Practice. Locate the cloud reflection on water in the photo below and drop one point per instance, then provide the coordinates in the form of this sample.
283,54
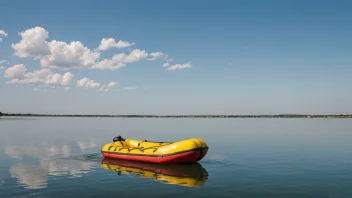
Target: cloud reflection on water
36,175
33,177
38,151
83,145
65,167
2,180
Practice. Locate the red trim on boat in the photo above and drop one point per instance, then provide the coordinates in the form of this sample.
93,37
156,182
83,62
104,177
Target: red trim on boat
178,158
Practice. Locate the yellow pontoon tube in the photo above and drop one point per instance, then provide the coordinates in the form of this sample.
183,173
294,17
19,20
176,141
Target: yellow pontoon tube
185,151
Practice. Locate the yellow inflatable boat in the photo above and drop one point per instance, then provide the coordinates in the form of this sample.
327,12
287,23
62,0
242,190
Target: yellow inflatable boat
190,175
185,151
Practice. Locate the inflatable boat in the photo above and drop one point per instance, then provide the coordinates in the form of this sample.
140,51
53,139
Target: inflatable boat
181,152
189,175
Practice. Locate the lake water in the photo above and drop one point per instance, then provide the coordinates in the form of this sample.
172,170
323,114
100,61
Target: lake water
60,157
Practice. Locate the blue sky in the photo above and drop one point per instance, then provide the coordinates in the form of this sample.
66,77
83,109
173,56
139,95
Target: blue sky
222,57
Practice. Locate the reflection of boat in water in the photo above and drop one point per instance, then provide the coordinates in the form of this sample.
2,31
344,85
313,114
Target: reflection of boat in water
189,175
181,152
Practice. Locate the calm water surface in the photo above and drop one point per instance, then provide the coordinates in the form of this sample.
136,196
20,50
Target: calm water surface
60,157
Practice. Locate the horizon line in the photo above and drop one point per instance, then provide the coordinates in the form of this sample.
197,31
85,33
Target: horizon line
177,115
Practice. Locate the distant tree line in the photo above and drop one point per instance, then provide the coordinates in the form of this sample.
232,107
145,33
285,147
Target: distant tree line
185,116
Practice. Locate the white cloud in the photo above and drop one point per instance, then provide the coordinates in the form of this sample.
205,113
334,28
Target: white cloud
85,82
105,87
107,43
45,77
18,74
136,55
68,56
102,88
111,84
33,43
74,55
54,54
155,55
130,88
2,32
117,62
3,61
120,60
180,66
168,60
16,71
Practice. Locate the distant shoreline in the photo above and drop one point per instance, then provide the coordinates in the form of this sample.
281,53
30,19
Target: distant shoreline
182,116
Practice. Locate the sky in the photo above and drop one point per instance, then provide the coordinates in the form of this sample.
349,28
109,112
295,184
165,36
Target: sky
176,57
